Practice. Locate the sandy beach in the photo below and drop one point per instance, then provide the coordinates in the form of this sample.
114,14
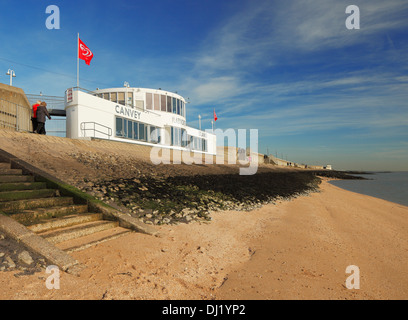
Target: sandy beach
297,249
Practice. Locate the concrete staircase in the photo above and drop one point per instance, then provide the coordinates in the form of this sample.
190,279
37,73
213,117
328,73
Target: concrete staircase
57,219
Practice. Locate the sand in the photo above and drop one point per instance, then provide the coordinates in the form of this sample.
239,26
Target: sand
298,249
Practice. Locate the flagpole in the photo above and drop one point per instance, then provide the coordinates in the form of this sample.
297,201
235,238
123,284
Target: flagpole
78,61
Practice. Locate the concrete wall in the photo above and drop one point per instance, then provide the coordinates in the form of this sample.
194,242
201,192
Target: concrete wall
15,109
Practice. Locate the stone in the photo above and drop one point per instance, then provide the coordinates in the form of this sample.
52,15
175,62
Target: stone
25,258
10,262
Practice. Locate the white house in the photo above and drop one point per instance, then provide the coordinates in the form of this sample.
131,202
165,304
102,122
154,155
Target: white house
134,115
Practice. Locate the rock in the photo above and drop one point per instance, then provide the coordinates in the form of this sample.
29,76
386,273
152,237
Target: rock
10,262
1,254
25,258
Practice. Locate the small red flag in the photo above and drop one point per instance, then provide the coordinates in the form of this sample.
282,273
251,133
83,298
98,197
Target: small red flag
84,52
215,116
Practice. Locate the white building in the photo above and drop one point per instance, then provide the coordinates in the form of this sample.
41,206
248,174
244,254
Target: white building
134,115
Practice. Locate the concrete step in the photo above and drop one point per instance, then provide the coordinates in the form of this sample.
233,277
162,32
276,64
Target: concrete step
16,178
94,239
5,165
22,186
4,171
36,215
69,233
26,194
65,221
28,204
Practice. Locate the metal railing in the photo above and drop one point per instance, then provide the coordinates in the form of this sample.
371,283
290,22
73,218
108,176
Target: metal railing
107,133
53,102
15,116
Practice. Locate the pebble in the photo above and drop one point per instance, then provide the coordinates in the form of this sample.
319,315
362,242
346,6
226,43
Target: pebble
25,258
10,262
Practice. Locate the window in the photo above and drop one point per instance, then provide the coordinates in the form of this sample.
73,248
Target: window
175,136
168,104
121,98
184,138
178,106
130,99
163,103
149,101
106,96
142,131
129,129
119,127
135,130
174,105
125,128
157,102
114,97
154,134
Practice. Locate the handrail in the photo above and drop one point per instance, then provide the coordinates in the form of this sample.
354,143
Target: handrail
109,134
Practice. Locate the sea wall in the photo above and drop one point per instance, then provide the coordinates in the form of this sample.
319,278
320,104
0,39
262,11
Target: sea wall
15,109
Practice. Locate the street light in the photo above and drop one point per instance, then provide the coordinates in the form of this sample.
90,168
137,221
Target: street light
199,121
12,75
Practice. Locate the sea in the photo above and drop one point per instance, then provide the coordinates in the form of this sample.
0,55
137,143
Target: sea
391,186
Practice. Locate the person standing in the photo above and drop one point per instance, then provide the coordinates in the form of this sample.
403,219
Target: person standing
34,117
42,112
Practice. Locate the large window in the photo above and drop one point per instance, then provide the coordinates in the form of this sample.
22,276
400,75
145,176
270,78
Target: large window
137,130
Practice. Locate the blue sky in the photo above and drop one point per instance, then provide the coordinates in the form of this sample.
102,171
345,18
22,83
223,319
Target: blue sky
317,92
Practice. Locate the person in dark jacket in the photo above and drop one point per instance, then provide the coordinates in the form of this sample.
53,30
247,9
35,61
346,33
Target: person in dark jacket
34,117
42,112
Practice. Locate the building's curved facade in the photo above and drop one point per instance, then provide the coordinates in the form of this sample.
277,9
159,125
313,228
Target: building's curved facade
134,115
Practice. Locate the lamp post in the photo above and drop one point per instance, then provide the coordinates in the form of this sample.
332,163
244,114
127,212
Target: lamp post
126,85
12,75
199,121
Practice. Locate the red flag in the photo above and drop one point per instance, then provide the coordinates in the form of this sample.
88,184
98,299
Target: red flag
215,116
84,52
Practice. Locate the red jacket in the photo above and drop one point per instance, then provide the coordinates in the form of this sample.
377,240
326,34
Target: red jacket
35,110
